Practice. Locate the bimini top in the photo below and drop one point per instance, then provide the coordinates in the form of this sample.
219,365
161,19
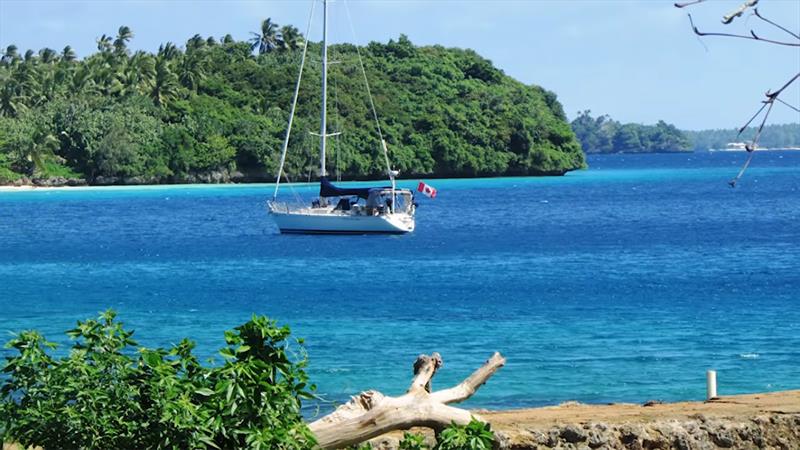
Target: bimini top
327,189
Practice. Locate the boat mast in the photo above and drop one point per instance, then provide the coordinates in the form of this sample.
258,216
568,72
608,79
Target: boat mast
323,126
294,106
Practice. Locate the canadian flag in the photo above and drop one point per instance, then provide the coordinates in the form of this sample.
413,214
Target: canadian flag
427,189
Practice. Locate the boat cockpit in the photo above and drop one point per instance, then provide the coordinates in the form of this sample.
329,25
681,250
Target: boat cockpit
378,202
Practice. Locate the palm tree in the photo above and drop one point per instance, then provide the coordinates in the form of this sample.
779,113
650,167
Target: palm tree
11,102
124,35
228,39
211,41
196,42
165,83
48,83
47,55
26,78
145,65
291,38
138,74
105,73
267,40
68,54
82,80
168,51
30,55
10,57
191,70
104,44
31,158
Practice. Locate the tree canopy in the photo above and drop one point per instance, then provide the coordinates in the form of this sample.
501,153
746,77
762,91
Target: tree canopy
773,137
212,110
603,134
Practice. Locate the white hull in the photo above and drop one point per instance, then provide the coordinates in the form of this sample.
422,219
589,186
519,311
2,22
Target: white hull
327,221
386,210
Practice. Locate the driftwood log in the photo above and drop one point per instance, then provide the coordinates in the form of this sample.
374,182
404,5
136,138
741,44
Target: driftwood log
371,414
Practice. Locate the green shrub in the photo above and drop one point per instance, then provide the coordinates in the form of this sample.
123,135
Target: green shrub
54,169
105,394
362,446
473,436
413,441
7,175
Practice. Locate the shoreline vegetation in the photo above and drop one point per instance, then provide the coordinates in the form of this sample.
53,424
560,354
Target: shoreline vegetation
67,184
214,111
602,134
762,420
757,420
773,137
105,394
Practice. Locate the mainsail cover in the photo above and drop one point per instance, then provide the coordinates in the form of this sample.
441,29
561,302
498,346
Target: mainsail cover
327,189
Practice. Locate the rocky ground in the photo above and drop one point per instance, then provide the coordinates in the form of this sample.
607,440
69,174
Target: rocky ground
759,421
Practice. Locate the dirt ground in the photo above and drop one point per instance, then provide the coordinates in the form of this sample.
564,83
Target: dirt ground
785,402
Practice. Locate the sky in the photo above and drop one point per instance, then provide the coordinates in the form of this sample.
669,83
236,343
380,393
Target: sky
636,60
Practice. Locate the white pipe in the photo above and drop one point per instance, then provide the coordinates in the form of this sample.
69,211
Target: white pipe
711,385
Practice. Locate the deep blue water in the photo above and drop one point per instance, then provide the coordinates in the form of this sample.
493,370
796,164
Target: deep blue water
624,282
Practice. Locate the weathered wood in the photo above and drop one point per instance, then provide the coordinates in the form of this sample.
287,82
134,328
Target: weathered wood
372,414
467,388
425,368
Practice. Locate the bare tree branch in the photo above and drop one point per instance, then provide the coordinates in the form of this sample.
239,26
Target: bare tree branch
371,413
739,11
796,36
772,97
790,106
753,145
684,5
752,37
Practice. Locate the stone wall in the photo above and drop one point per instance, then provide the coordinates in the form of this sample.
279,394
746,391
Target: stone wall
697,432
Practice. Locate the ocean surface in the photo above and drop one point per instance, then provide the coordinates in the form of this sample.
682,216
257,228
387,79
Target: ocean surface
623,282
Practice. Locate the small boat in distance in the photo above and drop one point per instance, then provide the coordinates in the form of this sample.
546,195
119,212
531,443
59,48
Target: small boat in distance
361,210
736,147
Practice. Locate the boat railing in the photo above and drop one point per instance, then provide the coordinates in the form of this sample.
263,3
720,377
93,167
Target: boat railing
274,206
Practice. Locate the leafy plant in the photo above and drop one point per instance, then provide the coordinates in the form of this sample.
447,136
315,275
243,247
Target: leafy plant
473,436
362,446
413,441
105,394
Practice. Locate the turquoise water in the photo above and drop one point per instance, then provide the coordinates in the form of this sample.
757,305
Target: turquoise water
625,282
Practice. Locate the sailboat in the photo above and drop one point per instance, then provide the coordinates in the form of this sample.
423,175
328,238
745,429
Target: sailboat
342,210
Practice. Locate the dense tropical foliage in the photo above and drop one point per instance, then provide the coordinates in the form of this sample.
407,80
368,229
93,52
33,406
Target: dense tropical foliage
106,393
773,136
211,110
602,134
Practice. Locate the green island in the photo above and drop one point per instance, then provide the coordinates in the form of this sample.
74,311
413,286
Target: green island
603,134
216,111
782,136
